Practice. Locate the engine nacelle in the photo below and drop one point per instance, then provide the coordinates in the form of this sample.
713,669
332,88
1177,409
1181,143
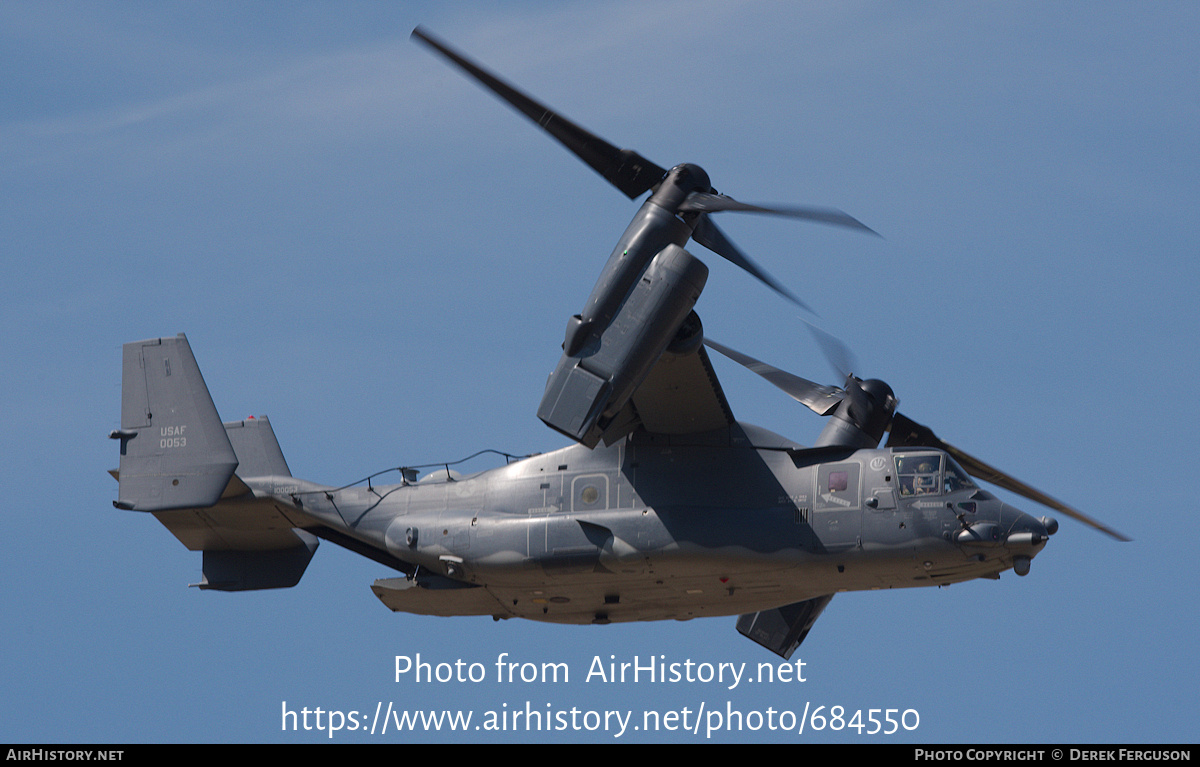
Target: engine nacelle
586,392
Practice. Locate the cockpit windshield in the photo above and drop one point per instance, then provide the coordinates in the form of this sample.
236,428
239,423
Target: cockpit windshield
930,474
956,479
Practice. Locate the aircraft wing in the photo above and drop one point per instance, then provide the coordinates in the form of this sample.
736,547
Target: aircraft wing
682,395
677,394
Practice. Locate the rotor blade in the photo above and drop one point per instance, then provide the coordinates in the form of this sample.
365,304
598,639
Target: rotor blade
907,432
707,234
711,203
820,399
837,354
623,168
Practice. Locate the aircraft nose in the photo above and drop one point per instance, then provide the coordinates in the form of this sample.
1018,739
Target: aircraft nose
1026,536
1026,530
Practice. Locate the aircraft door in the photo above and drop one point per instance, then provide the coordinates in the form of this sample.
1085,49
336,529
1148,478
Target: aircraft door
837,505
556,541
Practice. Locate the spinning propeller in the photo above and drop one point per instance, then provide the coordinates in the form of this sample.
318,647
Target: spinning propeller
693,199
863,410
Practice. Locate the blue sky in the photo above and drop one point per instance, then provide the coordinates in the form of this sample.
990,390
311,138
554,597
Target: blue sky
373,251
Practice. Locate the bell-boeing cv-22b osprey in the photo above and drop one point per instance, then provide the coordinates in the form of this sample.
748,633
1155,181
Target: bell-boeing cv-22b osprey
665,506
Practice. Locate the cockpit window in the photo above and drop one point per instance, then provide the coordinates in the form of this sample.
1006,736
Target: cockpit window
956,479
919,474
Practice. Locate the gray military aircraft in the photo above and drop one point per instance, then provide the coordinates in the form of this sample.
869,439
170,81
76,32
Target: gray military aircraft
666,506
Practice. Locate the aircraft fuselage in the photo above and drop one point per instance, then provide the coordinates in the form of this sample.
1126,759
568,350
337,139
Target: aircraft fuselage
654,527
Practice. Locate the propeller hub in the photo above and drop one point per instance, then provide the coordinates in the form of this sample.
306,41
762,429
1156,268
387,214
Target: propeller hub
680,182
690,177
871,404
862,416
880,393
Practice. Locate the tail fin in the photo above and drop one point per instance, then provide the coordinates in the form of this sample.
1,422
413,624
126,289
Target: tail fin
256,448
178,461
174,450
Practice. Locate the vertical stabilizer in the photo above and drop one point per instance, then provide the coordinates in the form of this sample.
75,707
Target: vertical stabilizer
257,449
174,450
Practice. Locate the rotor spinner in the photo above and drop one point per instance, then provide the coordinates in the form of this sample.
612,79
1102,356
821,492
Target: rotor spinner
862,417
680,182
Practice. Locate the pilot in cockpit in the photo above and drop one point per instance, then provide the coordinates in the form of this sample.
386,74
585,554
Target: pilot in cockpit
926,480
